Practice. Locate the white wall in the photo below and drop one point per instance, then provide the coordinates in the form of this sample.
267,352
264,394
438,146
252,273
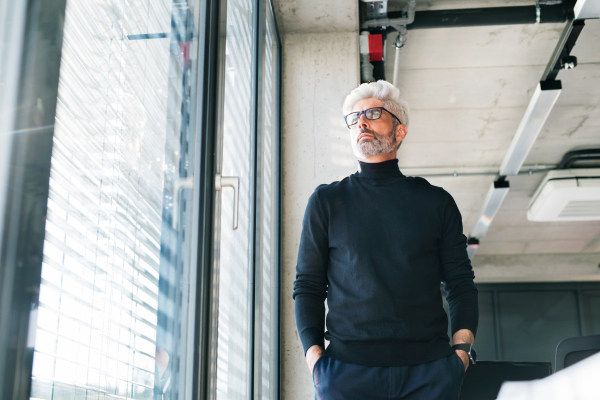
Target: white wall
319,71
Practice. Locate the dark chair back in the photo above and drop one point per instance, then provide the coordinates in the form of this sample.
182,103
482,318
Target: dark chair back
575,349
484,379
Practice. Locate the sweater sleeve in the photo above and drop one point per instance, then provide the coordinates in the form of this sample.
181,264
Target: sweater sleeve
457,273
310,286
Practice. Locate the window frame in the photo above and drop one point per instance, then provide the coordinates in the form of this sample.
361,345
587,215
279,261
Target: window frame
32,33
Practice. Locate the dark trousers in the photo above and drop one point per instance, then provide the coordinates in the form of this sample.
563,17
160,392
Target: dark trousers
439,379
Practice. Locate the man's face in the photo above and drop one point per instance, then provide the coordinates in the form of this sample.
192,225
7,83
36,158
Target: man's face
373,137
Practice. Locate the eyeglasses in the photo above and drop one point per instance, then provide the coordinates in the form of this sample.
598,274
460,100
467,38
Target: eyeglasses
370,113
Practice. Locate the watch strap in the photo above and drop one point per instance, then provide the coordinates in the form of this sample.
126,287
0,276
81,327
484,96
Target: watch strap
463,346
467,347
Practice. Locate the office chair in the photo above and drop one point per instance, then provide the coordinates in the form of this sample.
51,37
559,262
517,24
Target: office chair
575,349
484,379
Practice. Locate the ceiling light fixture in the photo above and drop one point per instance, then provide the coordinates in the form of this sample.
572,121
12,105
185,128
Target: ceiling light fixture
542,101
587,9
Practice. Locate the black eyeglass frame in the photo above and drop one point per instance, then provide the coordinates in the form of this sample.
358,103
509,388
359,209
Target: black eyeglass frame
371,119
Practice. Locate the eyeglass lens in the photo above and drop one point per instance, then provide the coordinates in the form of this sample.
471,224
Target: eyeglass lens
371,113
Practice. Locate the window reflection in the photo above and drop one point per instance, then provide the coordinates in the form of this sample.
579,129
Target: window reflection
113,312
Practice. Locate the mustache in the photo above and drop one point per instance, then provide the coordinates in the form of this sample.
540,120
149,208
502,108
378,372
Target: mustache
369,131
365,130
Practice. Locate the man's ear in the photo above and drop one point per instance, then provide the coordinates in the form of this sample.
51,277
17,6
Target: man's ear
401,131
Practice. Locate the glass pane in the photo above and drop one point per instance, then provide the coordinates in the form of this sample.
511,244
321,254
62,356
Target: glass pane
113,316
592,309
234,251
532,323
485,343
266,342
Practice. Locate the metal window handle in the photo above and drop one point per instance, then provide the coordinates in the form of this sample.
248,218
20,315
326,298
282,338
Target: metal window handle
178,185
232,182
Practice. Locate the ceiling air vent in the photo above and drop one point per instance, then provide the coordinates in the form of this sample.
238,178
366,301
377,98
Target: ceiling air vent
567,195
581,208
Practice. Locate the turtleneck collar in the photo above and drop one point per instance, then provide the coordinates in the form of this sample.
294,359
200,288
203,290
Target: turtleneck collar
381,170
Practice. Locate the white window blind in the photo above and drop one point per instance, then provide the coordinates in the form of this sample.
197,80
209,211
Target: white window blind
97,318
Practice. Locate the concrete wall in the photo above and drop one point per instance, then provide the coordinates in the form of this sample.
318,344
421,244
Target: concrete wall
319,71
495,268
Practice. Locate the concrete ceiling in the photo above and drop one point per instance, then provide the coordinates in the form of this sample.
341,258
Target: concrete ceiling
468,89
320,16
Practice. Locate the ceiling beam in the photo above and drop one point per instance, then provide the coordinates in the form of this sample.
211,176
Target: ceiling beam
563,49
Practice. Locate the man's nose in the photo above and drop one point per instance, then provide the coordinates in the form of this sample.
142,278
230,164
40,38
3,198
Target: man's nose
363,121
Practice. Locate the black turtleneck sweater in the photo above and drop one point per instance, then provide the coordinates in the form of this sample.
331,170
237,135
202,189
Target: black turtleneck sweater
376,245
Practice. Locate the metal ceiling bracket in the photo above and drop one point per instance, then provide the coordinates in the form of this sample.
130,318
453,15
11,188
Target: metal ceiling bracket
563,49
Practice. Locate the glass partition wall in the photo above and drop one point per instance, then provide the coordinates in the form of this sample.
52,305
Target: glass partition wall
154,279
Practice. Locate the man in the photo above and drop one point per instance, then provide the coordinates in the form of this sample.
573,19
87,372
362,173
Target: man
376,245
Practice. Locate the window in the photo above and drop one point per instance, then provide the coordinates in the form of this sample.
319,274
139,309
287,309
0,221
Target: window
246,259
526,321
147,290
117,279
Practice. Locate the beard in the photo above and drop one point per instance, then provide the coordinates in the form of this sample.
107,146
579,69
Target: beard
380,144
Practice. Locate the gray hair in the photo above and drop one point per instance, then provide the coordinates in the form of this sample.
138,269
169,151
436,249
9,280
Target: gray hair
381,90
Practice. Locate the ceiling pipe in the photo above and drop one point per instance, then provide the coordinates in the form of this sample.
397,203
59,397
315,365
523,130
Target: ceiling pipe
366,68
489,16
581,155
441,172
398,24
393,22
398,45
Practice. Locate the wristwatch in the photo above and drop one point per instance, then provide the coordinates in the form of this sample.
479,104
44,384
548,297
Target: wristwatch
468,347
